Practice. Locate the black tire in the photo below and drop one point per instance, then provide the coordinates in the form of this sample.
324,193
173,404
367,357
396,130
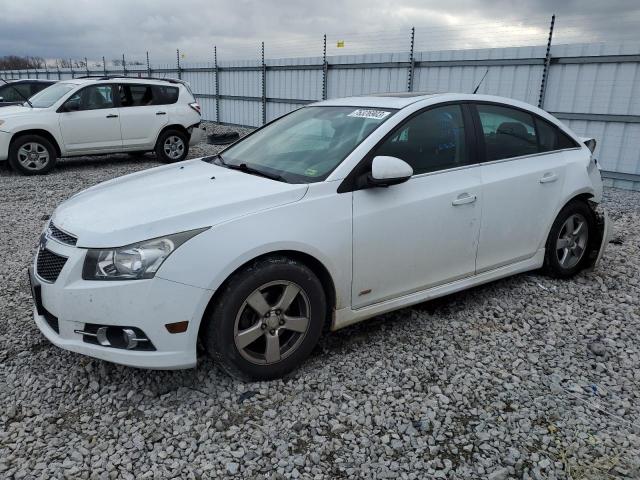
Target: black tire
167,157
40,146
552,260
232,308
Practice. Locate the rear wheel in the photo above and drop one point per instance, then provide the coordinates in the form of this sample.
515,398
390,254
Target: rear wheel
267,320
172,146
32,155
570,240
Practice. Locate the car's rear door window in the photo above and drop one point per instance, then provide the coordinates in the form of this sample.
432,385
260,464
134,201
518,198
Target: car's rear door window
430,141
135,95
508,132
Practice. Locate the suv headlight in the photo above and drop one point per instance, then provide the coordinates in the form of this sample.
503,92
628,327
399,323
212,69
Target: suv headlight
133,262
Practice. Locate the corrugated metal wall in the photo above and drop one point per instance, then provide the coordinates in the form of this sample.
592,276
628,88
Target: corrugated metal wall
594,89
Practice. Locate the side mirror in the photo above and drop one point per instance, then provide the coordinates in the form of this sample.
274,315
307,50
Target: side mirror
387,171
72,106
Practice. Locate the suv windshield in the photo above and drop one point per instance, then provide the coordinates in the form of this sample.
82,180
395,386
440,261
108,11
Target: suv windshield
51,95
306,145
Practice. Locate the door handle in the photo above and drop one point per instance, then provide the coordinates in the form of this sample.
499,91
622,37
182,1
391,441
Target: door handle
549,177
463,199
112,115
161,113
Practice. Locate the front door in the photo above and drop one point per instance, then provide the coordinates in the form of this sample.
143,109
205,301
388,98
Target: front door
424,232
89,121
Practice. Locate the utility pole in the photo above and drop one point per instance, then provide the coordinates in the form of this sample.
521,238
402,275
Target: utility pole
411,61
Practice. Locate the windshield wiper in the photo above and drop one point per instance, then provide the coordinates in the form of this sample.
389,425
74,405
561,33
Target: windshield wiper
243,167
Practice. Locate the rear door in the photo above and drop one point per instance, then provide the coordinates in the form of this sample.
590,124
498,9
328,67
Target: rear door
522,184
424,232
89,120
143,113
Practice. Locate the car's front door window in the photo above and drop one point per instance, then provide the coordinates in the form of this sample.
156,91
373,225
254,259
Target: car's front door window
430,141
95,97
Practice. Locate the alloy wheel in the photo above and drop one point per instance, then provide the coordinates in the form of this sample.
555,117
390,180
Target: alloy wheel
173,147
572,241
33,156
272,322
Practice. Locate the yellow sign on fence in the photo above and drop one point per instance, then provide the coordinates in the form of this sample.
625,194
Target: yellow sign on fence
340,44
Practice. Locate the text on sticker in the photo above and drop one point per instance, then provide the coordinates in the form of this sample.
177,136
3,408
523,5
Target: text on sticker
366,113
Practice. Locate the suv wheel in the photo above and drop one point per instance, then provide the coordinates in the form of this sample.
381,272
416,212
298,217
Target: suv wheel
570,240
267,320
32,155
172,146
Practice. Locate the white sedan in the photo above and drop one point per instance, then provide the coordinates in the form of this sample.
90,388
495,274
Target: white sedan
332,214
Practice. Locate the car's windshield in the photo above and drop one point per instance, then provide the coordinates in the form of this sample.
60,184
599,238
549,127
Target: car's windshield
308,144
51,95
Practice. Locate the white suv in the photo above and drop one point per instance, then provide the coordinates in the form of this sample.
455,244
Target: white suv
98,115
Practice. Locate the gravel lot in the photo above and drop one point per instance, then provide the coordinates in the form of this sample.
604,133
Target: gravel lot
523,378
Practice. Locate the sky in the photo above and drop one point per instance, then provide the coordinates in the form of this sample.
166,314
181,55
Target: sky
81,28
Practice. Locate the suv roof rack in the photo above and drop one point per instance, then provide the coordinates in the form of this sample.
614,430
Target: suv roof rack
112,77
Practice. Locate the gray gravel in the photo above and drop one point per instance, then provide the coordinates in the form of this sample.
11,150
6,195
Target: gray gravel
526,378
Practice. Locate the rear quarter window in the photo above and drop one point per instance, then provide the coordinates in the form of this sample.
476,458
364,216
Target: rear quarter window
165,95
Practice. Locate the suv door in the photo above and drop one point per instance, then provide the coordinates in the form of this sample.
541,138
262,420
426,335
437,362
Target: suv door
143,113
522,183
89,120
424,232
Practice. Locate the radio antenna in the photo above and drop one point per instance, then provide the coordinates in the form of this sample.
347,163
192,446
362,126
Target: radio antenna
480,82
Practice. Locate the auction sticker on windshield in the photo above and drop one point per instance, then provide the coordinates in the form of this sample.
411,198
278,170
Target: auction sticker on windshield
367,113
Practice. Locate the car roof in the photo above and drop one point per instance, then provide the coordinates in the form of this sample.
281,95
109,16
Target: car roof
404,99
116,79
32,80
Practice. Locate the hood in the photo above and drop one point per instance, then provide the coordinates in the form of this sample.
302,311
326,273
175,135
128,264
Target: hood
16,111
165,200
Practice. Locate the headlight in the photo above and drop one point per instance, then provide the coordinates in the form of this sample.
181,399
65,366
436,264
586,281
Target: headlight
1,122
133,262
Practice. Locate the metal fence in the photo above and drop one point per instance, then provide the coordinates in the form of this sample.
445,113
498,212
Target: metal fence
593,88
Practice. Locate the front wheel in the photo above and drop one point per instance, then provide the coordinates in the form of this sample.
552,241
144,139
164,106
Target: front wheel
570,240
267,319
32,155
172,146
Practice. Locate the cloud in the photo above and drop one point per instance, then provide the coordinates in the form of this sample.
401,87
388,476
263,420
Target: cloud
83,28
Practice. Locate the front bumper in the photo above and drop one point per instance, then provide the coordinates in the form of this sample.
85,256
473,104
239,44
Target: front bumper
5,139
70,303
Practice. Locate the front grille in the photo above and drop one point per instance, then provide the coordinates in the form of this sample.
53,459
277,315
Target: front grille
63,237
49,265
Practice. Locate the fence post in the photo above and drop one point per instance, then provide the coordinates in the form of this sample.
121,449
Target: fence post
178,64
104,67
148,66
547,63
264,86
411,62
124,66
86,65
58,69
325,69
215,69
73,74
46,70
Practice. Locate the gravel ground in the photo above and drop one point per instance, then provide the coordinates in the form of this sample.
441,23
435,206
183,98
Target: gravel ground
526,377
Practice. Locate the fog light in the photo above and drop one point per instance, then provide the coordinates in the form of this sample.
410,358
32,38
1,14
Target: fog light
178,327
